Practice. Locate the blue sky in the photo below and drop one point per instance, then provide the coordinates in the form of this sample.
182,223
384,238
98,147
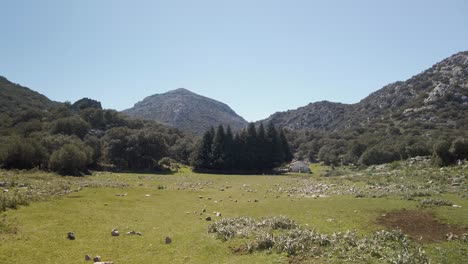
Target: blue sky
259,56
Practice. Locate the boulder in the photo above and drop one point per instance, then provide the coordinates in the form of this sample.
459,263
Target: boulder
115,232
87,258
71,235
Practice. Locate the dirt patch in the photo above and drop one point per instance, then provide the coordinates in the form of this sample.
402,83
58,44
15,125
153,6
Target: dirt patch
422,226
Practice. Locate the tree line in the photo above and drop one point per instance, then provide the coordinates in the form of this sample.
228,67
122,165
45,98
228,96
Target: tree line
252,149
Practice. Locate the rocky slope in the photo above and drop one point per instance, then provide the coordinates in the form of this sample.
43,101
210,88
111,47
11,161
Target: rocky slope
437,95
186,111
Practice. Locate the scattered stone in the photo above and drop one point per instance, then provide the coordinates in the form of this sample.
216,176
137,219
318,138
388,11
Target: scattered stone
131,232
87,258
456,206
209,198
115,232
168,240
203,210
256,201
200,197
105,262
106,204
5,190
2,184
218,214
208,218
139,233
71,236
121,195
451,236
97,259
147,195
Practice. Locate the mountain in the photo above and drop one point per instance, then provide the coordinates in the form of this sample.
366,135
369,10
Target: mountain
438,95
186,111
15,98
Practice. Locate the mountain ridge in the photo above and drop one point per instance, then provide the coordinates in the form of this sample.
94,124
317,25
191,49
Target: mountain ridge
414,99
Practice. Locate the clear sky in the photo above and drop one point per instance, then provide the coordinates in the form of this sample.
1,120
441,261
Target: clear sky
258,56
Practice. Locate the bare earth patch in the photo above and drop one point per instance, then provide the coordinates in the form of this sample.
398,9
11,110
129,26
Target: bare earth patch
422,226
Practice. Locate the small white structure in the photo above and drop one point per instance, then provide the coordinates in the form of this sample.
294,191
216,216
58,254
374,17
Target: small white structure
299,166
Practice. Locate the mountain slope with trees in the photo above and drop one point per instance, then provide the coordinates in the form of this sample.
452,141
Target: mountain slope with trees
186,111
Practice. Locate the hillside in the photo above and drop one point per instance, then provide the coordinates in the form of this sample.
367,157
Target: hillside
15,98
438,95
186,111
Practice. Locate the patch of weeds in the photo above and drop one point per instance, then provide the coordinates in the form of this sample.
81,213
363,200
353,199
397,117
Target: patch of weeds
7,226
428,202
298,242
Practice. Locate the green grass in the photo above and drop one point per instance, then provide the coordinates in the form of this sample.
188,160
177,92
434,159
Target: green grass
41,228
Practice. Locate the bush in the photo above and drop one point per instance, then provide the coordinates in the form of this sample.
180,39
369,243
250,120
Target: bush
376,155
23,154
71,126
441,154
69,160
459,149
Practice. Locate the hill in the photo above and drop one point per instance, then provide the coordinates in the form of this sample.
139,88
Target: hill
438,95
15,98
186,111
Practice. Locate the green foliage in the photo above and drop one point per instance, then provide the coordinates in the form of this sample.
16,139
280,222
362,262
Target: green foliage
251,149
135,149
441,153
23,154
377,155
459,149
69,160
71,126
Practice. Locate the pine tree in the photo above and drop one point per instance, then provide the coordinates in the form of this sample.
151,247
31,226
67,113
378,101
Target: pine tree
203,157
288,156
228,149
219,149
275,147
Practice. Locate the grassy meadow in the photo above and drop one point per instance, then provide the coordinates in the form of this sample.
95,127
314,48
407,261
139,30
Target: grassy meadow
171,205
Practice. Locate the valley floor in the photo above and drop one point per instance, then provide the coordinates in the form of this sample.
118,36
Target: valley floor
161,206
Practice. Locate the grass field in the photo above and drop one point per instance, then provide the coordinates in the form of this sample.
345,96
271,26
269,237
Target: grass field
171,205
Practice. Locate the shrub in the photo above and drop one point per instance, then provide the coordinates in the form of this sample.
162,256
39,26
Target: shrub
441,155
23,154
69,160
71,126
376,155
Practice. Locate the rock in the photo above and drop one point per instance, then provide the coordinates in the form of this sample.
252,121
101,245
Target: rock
2,184
147,195
203,210
87,258
139,233
168,240
208,218
105,262
200,197
218,214
131,232
97,259
71,236
256,201
456,206
115,232
5,190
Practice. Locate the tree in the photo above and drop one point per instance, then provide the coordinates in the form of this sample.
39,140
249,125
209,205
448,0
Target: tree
288,156
441,154
459,149
276,152
218,149
69,160
203,155
71,126
23,154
